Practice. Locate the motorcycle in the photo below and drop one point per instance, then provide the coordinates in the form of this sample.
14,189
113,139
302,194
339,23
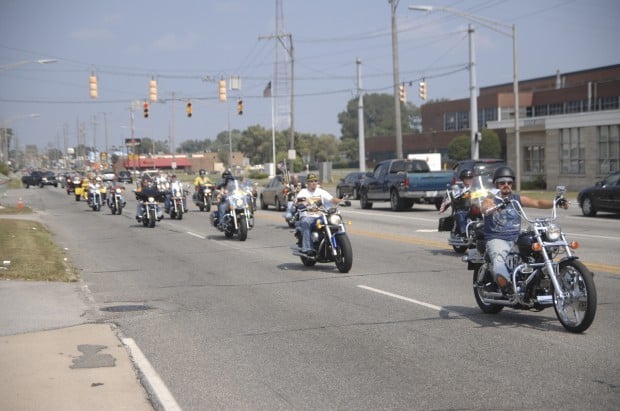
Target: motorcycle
251,192
149,206
544,272
96,196
177,204
203,197
463,200
116,201
239,218
330,241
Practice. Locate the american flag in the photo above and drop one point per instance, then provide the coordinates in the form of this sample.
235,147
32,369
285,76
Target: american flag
267,91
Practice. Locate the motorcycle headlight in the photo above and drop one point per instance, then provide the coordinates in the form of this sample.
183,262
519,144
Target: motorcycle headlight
553,232
238,202
118,191
334,219
151,199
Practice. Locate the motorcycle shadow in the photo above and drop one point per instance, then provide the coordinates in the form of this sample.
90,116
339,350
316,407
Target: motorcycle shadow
507,318
318,268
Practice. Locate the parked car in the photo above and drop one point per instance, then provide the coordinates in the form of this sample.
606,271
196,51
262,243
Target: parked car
484,167
350,185
273,194
603,196
124,176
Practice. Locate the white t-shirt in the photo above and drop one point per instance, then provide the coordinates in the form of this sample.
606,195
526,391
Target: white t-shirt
314,197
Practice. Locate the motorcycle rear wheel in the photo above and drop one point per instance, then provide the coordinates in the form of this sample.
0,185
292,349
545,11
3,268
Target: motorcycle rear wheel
577,311
344,254
480,280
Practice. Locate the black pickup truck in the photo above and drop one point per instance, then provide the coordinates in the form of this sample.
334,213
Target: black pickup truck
40,178
403,183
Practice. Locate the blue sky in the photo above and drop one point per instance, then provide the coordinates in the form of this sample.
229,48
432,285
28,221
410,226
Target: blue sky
186,45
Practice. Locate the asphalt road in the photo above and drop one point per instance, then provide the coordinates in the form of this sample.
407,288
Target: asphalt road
244,325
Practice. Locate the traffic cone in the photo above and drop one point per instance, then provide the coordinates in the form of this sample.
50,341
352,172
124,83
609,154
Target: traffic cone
20,203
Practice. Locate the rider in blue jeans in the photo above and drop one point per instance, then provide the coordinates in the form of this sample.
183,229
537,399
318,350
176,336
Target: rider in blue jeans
502,225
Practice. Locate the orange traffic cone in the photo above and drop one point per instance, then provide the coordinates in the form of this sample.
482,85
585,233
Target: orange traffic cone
20,203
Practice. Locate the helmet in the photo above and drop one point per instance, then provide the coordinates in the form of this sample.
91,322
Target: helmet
503,172
466,174
202,172
226,174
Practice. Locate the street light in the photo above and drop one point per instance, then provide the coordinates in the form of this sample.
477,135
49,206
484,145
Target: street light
21,63
494,25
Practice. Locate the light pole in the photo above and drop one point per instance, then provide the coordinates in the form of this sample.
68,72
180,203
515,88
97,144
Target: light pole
495,26
396,80
5,139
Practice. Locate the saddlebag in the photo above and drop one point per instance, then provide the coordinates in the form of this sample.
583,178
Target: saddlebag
446,223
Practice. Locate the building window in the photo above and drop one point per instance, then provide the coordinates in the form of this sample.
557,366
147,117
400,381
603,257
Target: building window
609,103
608,149
463,120
573,106
572,152
556,108
534,159
540,110
449,121
485,115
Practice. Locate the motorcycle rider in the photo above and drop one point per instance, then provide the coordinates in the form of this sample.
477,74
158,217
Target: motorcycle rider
503,224
172,186
147,188
307,200
462,201
223,188
200,180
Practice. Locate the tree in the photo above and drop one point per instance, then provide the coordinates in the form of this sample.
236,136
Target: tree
490,147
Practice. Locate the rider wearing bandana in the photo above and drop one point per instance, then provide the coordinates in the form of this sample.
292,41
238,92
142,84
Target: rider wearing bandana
502,225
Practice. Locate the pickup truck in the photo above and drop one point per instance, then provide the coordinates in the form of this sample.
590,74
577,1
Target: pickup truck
40,178
403,183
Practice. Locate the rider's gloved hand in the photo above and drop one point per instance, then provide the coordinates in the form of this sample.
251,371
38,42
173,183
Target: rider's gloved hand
561,202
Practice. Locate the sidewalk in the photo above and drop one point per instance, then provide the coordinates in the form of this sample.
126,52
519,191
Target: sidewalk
52,359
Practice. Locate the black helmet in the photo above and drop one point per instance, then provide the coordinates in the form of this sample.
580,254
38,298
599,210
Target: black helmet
503,172
226,174
466,174
202,172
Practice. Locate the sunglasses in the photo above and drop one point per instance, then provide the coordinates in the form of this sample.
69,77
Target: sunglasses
504,182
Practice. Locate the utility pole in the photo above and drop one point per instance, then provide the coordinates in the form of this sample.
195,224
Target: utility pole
396,80
360,118
473,97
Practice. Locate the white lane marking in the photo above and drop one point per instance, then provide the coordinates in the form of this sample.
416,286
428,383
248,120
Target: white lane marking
158,387
400,297
202,237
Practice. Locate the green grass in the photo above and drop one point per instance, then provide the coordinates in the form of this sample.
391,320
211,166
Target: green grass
33,255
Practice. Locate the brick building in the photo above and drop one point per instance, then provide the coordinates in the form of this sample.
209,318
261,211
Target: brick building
569,126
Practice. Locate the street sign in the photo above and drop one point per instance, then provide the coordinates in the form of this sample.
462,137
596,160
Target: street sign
132,142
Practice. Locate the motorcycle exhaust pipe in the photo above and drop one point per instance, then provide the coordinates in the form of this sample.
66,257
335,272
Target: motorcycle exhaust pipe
300,254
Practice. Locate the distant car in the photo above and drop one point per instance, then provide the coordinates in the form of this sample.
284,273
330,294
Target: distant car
108,175
48,179
124,176
350,185
484,167
603,196
273,194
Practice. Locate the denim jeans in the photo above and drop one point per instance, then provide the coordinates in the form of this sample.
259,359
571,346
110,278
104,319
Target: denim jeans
305,225
498,250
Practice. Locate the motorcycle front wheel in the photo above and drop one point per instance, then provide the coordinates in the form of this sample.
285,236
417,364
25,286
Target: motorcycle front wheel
243,228
577,310
481,279
344,254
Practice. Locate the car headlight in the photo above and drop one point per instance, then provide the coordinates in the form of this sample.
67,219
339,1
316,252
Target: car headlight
553,232
335,219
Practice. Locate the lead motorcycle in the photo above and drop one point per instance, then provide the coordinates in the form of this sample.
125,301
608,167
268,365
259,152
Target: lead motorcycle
150,211
330,241
238,218
544,273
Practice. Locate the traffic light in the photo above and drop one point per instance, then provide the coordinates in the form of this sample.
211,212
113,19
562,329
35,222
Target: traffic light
189,109
222,89
423,89
146,109
92,81
153,90
240,107
403,93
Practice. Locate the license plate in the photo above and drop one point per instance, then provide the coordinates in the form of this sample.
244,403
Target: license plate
431,194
